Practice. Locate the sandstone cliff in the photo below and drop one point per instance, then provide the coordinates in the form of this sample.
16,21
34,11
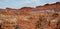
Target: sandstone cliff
41,17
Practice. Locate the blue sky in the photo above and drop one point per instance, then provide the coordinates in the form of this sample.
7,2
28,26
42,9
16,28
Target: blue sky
24,3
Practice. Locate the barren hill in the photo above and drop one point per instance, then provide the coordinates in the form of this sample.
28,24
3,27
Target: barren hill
41,17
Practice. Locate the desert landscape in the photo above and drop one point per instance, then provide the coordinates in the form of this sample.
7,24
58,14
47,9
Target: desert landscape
41,17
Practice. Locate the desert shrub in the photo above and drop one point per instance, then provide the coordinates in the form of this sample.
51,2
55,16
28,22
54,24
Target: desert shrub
39,22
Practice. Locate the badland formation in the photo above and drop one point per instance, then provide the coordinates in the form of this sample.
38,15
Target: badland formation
41,17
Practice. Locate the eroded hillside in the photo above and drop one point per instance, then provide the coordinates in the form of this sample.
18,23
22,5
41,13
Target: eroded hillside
41,17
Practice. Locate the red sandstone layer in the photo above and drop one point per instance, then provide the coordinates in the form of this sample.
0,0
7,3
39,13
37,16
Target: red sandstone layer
41,17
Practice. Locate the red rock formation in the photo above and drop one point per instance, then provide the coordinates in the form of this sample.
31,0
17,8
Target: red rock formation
41,17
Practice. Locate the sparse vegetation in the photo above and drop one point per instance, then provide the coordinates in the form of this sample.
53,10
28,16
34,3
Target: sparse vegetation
40,20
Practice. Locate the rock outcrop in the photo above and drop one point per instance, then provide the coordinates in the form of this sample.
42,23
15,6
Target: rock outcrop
41,17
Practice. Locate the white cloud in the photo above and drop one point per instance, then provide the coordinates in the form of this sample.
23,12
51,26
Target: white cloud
18,2
34,1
